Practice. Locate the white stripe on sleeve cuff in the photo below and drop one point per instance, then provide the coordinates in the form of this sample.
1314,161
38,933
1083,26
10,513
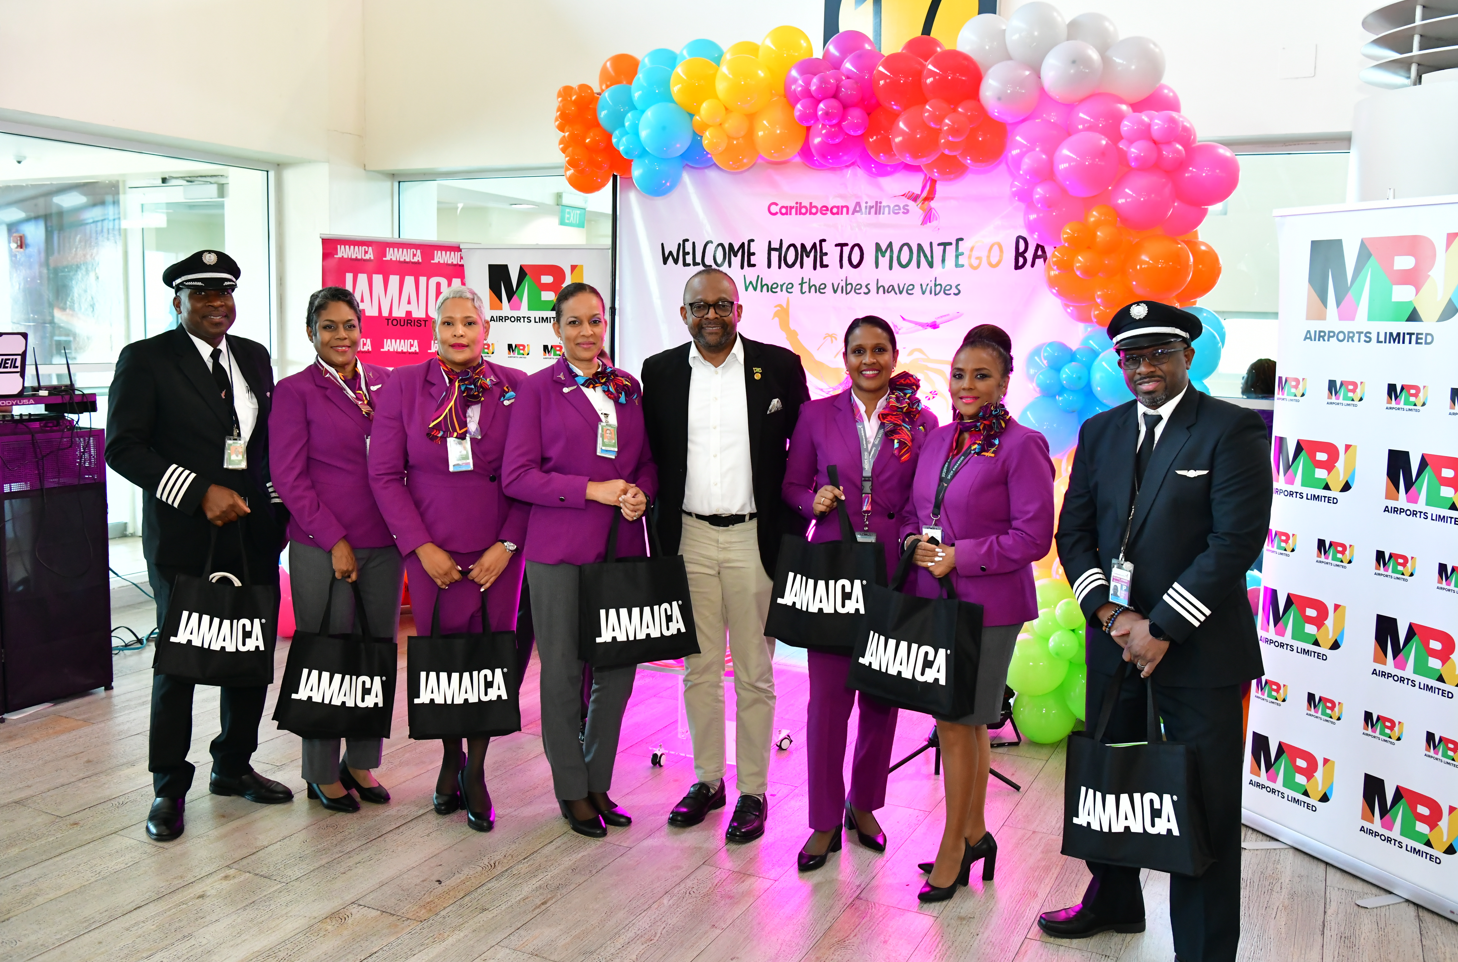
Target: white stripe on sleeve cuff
1182,608
1191,600
174,484
1088,581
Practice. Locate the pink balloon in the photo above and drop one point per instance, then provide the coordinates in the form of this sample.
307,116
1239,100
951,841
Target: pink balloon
839,153
854,121
1171,157
861,65
1101,113
1187,137
1134,127
1022,190
1036,164
1209,176
1143,199
808,156
830,111
1049,195
805,111
844,44
801,73
1164,127
1046,225
822,85
1086,163
874,167
1184,219
1032,135
1163,98
849,92
1141,154
830,133
1050,110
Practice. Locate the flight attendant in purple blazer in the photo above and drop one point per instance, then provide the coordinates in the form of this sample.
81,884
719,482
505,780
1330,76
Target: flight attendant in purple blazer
321,424
994,519
435,468
578,452
878,420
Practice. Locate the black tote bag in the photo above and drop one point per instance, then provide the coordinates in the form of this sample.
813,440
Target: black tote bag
634,610
219,630
338,686
918,653
463,685
1136,804
819,595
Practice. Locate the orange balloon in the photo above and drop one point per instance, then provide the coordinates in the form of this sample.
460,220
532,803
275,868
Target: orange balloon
620,68
587,181
777,134
1159,267
1205,273
739,154
1068,287
1077,234
1083,313
1102,214
1113,293
984,144
1101,315
621,165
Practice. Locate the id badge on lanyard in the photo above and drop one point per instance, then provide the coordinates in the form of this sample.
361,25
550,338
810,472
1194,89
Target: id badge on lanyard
1121,572
868,459
235,453
607,439
458,454
933,531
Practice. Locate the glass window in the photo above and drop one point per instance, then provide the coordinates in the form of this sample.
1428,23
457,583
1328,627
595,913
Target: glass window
503,210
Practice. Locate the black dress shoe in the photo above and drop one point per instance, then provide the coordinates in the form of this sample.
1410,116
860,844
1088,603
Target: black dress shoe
933,893
1079,922
614,815
446,804
592,827
697,804
375,794
985,849
164,821
344,803
809,863
251,786
748,821
876,843
480,821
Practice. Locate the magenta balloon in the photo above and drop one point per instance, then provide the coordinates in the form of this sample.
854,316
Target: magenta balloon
1032,135
854,121
822,85
801,72
849,92
1187,136
1050,110
1209,176
840,153
1134,127
808,156
1086,163
1142,154
1049,195
873,166
829,133
1164,127
1163,98
844,44
806,110
830,111
1101,113
861,65
1184,219
1143,198
1171,157
1036,165
1046,226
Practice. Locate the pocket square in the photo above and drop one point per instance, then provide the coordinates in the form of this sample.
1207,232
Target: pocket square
1190,473
775,405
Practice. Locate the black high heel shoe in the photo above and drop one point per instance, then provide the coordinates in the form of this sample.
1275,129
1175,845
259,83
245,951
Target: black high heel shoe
614,814
592,827
446,804
344,803
480,821
985,849
876,843
809,863
932,893
376,794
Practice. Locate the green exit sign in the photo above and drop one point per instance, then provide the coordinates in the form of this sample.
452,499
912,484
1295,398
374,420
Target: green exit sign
572,216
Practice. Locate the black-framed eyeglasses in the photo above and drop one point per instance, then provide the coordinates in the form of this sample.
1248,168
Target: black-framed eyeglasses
1132,362
722,308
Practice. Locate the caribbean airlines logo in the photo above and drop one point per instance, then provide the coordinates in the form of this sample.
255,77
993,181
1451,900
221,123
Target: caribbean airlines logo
1441,748
1399,567
1391,279
1302,619
1415,821
1433,484
1268,689
1313,465
1345,393
1407,397
1448,577
1281,542
1293,388
1292,769
1381,727
1338,554
1422,655
534,288
1326,708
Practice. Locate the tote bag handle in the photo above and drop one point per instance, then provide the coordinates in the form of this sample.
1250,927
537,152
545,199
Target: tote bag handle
242,552
654,547
847,530
1152,730
903,569
435,612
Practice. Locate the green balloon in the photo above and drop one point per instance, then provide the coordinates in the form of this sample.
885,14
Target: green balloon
1064,644
1034,670
1046,624
1044,719
1051,591
1073,689
1069,614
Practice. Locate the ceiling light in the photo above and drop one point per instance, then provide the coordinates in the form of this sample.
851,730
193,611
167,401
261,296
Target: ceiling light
69,199
12,214
523,206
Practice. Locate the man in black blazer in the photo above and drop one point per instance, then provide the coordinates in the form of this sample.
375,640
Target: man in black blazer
1166,510
187,423
720,411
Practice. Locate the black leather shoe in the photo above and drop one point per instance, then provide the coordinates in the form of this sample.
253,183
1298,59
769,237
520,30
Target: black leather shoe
164,821
748,821
809,863
375,794
876,843
985,849
592,827
252,786
480,821
446,804
613,814
1079,922
697,804
344,803
932,893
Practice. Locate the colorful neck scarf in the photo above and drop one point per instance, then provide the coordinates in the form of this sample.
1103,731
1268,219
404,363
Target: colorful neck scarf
462,388
360,395
902,408
988,424
615,384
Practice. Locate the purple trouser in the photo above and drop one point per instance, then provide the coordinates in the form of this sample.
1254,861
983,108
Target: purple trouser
828,723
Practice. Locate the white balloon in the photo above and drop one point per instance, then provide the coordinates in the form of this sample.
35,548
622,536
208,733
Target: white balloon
1033,30
1010,91
1071,71
982,38
1133,67
1094,29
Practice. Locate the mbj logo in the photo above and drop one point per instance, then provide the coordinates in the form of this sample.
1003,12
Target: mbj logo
1407,395
1350,392
1303,619
1434,483
488,349
551,350
1282,542
350,691
1292,768
1426,651
1337,552
1268,689
1380,726
1147,813
219,634
1392,274
1392,563
518,350
1292,387
907,659
1324,707
1409,814
1317,465
1447,577
635,624
1441,748
535,287
831,596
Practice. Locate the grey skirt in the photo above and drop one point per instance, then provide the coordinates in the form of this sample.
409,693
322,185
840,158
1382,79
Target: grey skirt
997,651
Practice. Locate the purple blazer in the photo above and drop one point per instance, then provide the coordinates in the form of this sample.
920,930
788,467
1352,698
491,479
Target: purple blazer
317,443
825,435
420,498
552,454
998,511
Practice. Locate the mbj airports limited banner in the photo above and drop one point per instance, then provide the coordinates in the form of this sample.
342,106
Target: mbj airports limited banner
1352,749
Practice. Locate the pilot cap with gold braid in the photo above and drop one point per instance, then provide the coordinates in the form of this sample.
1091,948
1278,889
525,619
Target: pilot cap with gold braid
1147,323
203,271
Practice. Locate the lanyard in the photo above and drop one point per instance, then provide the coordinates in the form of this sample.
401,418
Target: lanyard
868,458
361,398
949,471
227,358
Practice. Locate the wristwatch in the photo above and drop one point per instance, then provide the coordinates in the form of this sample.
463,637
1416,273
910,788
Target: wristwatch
1157,632
509,546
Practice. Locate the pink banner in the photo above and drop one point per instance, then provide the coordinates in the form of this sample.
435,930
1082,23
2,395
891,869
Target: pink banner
397,283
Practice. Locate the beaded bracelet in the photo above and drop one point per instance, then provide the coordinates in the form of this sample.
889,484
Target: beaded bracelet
1109,625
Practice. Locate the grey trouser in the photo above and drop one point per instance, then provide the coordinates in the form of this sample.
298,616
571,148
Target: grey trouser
311,576
585,766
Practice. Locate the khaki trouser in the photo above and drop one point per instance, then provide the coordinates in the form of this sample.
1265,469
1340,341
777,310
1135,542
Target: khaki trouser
730,590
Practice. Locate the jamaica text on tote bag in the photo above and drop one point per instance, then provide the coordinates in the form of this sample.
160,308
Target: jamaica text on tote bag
1134,804
634,610
464,685
818,600
338,686
219,630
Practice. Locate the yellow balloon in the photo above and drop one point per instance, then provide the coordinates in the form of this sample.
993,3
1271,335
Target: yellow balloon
781,49
743,84
777,134
738,154
693,82
744,48
712,112
715,139
736,125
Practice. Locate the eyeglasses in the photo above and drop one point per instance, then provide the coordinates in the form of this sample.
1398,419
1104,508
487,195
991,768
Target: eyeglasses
1132,362
722,308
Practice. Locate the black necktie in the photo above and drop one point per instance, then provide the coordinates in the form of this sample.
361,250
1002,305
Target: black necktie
220,376
1146,447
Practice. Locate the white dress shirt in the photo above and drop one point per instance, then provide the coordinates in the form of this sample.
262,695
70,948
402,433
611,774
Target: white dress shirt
720,475
243,400
870,427
606,407
1164,411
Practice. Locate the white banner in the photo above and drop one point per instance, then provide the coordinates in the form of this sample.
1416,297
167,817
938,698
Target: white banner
1352,750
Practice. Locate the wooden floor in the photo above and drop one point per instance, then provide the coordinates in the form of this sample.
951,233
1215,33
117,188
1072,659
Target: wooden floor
80,880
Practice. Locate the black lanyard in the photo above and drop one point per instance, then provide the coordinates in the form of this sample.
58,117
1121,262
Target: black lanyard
949,471
1133,501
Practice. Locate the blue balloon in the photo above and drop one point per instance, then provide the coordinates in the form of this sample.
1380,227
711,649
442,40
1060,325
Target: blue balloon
1211,320
1047,382
629,145
614,105
661,57
1071,400
1199,385
1058,426
651,86
1091,407
707,49
1107,380
1086,355
1034,362
1055,354
666,130
632,119
1097,338
695,155
656,176
1074,375
1207,356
